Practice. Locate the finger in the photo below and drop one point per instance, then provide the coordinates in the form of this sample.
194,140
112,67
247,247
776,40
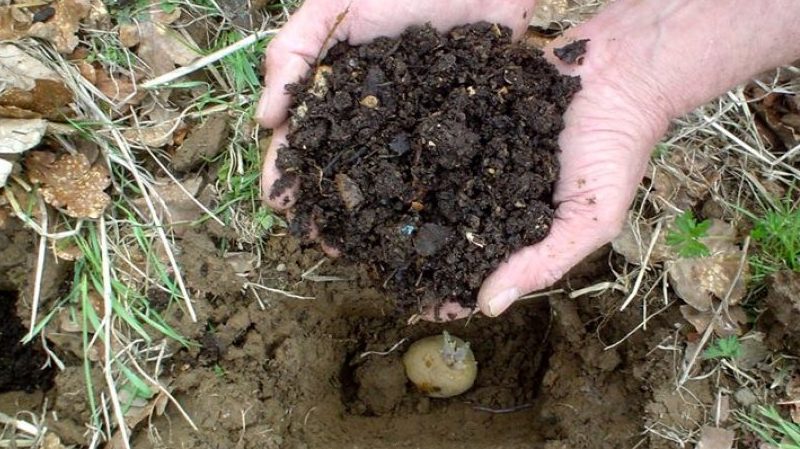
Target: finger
541,265
304,38
278,193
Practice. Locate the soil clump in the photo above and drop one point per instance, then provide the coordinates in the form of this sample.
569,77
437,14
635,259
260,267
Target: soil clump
429,157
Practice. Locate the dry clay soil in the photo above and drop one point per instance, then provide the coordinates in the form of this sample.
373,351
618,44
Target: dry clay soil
295,374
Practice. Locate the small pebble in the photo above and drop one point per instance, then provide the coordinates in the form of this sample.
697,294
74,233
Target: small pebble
281,267
370,101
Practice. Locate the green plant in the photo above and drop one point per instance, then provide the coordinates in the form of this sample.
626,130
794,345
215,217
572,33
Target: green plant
724,348
685,236
777,240
771,427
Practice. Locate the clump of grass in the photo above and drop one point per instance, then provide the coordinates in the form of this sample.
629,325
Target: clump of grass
772,428
776,235
685,236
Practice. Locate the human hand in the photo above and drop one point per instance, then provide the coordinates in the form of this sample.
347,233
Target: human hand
610,128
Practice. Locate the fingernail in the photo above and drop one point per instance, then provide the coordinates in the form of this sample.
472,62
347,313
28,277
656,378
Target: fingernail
503,301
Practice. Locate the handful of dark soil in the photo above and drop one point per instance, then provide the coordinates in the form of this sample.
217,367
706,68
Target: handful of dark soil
431,158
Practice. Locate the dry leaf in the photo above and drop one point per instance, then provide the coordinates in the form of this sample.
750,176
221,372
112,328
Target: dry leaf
159,46
6,168
700,280
162,49
70,183
632,243
28,88
119,88
17,136
172,204
20,70
153,136
61,30
725,325
715,438
14,23
204,142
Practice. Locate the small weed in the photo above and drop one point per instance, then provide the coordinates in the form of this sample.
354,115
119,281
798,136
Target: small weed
771,427
777,240
724,348
686,234
219,371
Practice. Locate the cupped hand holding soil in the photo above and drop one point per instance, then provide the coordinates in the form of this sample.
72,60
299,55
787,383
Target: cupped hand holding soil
601,161
633,81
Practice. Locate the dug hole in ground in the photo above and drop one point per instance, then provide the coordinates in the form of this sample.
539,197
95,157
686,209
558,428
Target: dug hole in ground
291,349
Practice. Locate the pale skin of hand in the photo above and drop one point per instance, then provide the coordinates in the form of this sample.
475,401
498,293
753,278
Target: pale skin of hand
647,61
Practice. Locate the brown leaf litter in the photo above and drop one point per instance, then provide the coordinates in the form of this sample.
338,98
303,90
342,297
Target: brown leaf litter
18,21
203,143
16,137
701,280
70,182
160,47
29,89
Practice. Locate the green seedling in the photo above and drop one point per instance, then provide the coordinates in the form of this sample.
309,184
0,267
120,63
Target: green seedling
724,348
685,236
777,240
772,428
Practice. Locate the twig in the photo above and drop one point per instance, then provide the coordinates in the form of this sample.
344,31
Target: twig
643,267
37,283
387,352
208,59
599,287
106,325
499,411
275,290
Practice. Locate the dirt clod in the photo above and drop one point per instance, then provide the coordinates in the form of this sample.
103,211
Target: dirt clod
431,157
573,52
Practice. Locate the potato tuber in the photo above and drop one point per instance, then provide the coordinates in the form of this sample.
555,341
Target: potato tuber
441,366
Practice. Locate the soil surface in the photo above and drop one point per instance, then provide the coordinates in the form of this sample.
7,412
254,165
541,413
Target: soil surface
318,372
429,157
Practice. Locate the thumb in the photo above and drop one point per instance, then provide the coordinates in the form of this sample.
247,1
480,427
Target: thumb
577,231
304,38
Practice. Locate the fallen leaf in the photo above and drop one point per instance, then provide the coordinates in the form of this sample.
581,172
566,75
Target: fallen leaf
14,23
700,280
160,47
20,70
62,29
120,89
28,88
70,182
203,144
17,136
725,325
172,204
715,438
6,168
155,136
632,243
